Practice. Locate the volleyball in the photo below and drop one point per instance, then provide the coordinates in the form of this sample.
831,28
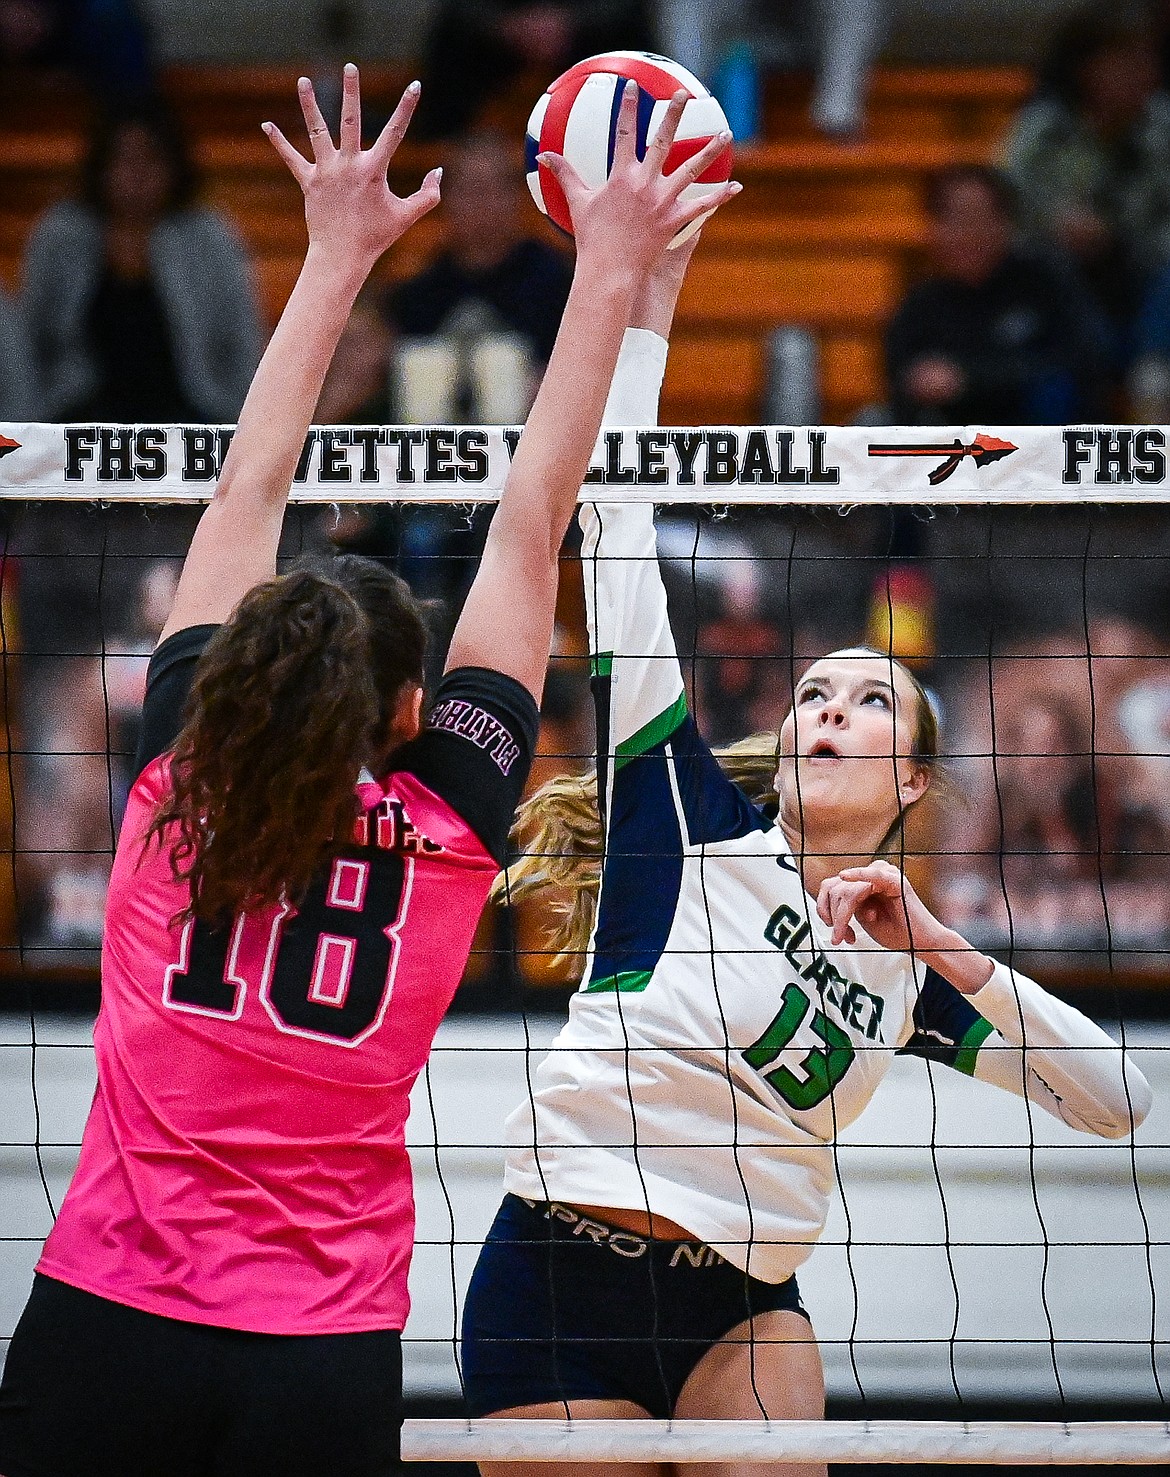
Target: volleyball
577,117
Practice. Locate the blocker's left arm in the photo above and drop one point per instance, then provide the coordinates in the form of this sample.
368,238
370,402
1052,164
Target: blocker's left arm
352,217
638,687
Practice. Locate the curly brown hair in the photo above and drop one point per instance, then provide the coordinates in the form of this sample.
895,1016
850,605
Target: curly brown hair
292,696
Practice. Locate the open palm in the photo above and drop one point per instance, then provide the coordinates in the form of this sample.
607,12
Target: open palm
349,206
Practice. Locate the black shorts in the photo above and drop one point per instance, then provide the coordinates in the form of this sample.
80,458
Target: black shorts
95,1389
564,1308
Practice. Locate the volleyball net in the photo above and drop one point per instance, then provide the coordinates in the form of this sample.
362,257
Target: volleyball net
978,1255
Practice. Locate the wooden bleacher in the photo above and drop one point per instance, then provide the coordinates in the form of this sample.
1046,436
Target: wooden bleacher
824,235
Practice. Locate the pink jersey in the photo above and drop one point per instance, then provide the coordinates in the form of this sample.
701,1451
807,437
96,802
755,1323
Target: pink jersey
244,1160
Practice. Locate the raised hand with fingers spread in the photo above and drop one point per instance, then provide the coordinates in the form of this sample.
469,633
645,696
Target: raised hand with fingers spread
639,210
243,1169
349,206
621,229
353,217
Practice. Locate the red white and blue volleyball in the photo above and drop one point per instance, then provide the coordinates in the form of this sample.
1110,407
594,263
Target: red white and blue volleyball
578,117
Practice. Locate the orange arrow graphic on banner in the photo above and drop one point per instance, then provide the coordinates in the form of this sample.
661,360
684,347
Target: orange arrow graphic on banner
7,445
982,451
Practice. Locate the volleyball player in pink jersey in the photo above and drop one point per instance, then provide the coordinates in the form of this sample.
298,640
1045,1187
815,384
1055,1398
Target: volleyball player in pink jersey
299,874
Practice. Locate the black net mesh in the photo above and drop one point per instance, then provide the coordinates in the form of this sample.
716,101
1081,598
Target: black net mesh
974,1254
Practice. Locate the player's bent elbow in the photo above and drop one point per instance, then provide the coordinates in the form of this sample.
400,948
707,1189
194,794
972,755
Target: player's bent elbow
1140,1099
1118,1119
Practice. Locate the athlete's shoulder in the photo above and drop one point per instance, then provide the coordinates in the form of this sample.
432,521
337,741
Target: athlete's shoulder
476,750
169,679
714,809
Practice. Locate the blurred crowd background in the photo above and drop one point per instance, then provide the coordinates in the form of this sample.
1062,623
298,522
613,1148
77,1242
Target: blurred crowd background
957,212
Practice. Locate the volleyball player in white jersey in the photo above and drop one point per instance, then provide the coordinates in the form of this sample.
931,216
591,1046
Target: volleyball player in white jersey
750,977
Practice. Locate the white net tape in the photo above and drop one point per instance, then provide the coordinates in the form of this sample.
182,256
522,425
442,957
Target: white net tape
826,466
1033,1443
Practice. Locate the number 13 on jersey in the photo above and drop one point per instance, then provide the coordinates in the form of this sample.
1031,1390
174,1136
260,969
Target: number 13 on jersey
324,970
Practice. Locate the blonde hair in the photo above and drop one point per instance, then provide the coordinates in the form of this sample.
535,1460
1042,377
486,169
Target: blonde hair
561,842
559,835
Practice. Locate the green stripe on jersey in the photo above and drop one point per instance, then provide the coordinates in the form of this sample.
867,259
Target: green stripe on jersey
652,733
969,1046
601,664
628,982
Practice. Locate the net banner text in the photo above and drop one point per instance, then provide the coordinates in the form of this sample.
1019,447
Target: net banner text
721,465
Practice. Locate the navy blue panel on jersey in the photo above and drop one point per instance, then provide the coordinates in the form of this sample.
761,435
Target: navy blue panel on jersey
715,809
601,690
644,851
643,874
947,1027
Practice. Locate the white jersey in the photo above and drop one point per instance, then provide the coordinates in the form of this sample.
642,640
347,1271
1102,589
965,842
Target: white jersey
719,1041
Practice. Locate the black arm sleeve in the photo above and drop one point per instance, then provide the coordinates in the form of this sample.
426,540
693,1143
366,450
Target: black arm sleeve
168,681
477,749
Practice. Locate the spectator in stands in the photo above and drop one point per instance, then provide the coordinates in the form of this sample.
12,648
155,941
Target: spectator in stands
846,38
488,308
29,32
730,44
1148,378
356,393
1056,817
741,660
66,811
995,335
1159,11
1144,719
1060,825
83,725
138,299
476,48
104,41
19,399
1090,157
471,335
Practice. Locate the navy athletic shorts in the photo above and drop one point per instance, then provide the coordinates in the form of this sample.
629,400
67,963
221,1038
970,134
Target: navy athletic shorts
95,1389
563,1307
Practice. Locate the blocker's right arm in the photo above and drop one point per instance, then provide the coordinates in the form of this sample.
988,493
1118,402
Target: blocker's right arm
638,682
621,229
632,650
